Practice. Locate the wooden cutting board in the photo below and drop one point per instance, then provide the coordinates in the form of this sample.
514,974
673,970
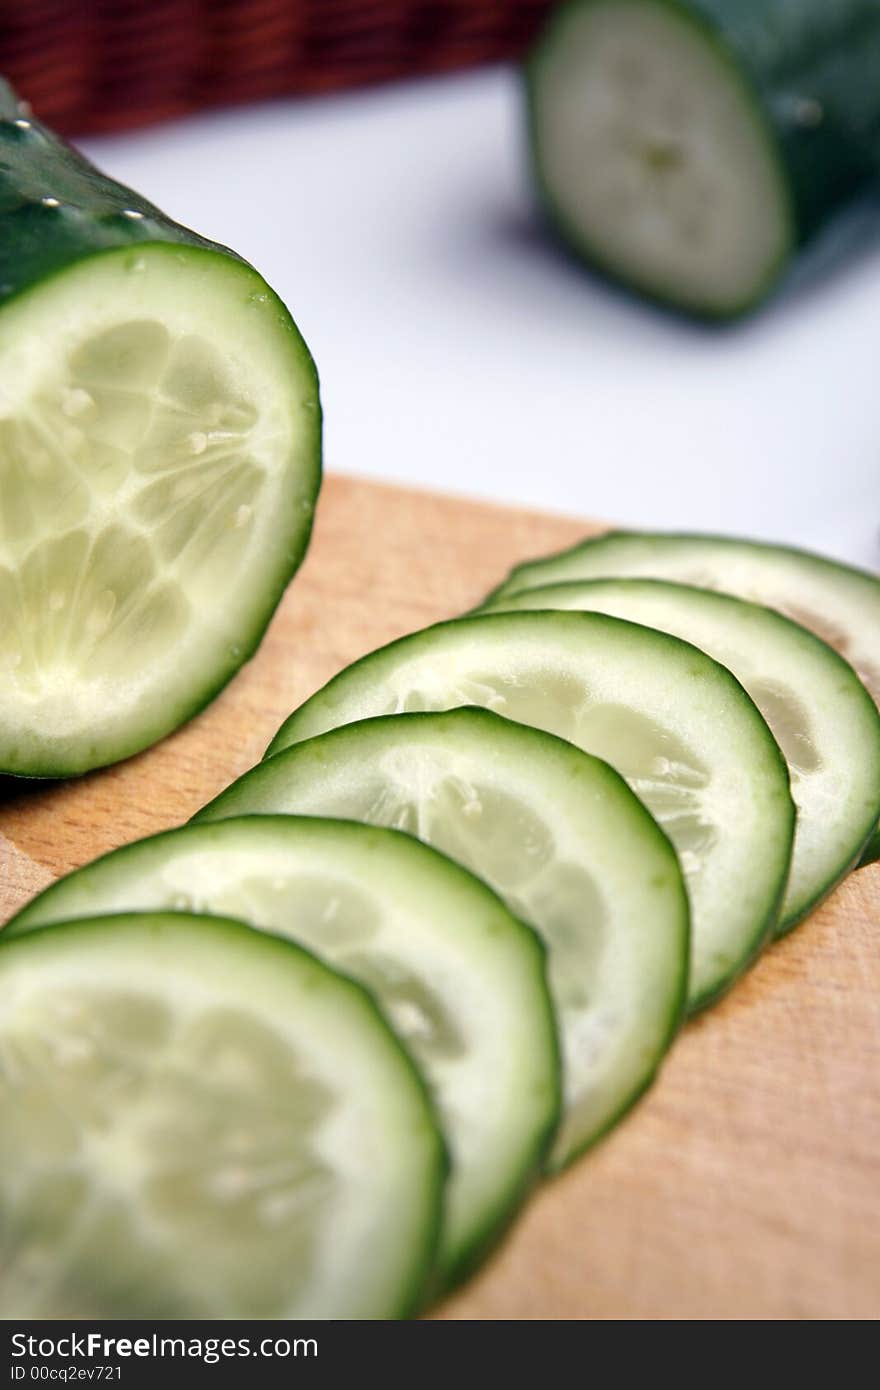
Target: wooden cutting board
747,1183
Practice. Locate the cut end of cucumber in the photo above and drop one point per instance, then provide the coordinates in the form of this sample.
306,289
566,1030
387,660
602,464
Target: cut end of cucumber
155,419
654,156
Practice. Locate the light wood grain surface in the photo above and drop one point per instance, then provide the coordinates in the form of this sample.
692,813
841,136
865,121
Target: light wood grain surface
747,1183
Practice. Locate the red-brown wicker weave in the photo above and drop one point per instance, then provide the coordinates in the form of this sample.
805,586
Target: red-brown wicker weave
92,65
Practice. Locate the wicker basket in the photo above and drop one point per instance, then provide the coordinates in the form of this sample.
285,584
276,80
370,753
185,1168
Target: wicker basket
92,65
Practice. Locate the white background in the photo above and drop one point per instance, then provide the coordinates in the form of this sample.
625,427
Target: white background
459,350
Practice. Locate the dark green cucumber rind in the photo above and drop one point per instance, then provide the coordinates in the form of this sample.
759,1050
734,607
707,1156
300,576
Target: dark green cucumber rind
35,240
498,1218
522,576
325,747
825,54
813,52
299,530
237,934
871,853
849,683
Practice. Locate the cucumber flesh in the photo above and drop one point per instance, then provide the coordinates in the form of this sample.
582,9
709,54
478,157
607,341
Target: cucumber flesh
198,1120
819,712
458,977
159,462
688,147
683,732
560,837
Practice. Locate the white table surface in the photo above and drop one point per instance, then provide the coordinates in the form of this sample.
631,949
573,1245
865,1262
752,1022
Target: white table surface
458,350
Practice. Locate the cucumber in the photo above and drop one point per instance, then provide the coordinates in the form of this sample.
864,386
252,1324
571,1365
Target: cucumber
560,837
839,603
689,147
818,710
198,1120
458,977
683,732
159,461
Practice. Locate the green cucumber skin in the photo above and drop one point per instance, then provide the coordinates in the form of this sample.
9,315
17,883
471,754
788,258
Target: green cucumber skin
871,853
814,66
795,59
38,239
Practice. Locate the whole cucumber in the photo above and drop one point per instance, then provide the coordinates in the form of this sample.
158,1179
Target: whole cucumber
689,147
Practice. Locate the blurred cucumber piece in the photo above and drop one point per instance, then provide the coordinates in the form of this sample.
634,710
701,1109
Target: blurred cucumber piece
689,147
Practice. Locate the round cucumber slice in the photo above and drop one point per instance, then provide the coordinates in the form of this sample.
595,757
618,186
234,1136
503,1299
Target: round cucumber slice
820,713
459,978
198,1120
653,156
159,463
837,602
674,722
560,837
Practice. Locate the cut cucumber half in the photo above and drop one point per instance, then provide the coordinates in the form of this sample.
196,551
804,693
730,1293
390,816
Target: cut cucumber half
560,837
687,147
677,725
198,1120
459,978
837,602
818,710
159,461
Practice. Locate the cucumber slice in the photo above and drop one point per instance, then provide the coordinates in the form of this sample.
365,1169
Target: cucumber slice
560,837
682,731
459,978
820,713
687,147
837,602
198,1120
159,461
